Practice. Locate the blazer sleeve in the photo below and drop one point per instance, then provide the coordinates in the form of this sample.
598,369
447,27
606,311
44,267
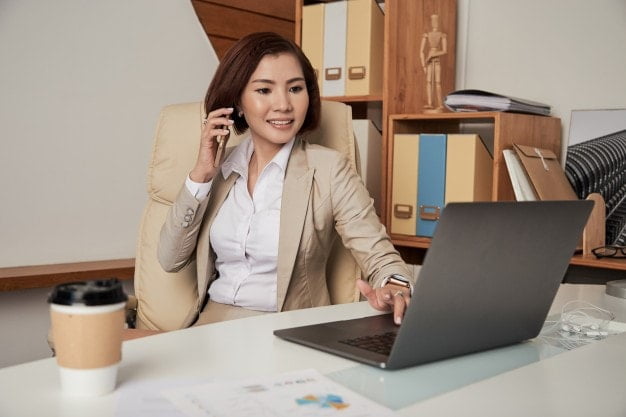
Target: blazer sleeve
179,234
360,229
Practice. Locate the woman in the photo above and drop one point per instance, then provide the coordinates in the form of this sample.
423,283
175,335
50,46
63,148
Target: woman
260,223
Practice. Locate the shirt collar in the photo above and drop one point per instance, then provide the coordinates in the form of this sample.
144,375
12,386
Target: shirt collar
239,158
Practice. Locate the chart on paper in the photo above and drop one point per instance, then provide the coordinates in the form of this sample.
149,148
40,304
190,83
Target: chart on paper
296,394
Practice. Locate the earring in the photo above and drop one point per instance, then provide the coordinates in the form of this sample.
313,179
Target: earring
240,114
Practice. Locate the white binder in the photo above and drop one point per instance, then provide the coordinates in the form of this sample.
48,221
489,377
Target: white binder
334,74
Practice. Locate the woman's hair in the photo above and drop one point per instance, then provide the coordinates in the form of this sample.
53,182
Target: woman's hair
240,62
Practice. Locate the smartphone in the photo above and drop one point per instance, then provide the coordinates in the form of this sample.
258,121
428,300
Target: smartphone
220,147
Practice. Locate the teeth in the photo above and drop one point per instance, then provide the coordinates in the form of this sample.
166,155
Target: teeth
280,122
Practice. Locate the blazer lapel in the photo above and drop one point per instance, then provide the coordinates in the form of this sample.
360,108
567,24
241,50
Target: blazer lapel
293,211
204,255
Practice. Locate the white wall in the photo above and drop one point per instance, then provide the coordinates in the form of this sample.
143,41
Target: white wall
81,85
570,54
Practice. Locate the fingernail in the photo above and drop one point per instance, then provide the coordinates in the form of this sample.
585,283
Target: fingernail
398,320
387,297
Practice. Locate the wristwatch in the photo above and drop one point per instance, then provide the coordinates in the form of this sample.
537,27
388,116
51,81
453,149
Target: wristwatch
398,280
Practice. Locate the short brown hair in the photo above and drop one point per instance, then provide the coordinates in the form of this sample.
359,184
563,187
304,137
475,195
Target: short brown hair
241,60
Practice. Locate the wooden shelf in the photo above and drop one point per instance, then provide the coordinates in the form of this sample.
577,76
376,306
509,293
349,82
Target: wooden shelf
410,241
43,276
354,99
498,131
603,263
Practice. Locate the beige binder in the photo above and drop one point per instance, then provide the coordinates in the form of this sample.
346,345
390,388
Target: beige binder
369,142
313,37
404,183
364,48
468,169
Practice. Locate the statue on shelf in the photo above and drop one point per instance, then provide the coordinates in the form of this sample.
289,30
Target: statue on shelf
434,45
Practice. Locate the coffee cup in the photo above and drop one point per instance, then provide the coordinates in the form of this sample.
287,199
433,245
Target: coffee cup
87,323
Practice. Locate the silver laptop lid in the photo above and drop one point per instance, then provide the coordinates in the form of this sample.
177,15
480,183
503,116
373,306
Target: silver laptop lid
489,277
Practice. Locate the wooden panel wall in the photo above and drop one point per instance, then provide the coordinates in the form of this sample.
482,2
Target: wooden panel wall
226,21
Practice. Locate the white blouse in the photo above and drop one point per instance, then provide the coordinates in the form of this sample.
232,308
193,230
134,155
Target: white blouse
244,234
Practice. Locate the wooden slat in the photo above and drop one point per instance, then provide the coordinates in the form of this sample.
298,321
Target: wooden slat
221,45
43,276
618,264
281,9
223,24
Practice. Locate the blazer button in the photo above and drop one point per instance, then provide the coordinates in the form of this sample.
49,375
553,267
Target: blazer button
188,218
189,211
185,224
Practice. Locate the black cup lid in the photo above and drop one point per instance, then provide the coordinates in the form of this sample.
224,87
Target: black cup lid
91,293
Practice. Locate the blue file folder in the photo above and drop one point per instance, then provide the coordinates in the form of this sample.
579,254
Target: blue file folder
431,182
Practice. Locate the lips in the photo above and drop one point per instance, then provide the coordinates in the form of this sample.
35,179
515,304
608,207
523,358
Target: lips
280,123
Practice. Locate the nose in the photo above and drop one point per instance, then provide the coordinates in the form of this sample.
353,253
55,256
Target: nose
282,101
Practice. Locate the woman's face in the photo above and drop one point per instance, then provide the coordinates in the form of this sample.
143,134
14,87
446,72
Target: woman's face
275,100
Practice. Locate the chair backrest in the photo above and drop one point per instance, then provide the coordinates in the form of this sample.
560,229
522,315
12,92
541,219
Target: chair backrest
164,298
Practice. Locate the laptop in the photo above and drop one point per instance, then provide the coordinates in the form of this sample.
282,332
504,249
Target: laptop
488,280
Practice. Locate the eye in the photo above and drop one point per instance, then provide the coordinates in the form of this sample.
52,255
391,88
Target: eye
296,89
263,90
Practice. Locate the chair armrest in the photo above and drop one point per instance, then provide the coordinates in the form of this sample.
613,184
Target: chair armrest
131,311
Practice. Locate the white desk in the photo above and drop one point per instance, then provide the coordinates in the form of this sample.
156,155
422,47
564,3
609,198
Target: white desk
517,380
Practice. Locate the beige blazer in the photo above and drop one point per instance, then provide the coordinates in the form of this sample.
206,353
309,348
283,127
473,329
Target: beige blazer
322,197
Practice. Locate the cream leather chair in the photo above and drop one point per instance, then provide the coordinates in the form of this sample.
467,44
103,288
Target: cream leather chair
163,298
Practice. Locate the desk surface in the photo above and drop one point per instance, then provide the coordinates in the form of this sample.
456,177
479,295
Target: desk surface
590,380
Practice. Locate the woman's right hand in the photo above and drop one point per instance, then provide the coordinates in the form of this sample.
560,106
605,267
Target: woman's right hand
216,124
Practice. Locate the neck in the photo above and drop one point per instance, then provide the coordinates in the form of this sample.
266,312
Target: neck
262,155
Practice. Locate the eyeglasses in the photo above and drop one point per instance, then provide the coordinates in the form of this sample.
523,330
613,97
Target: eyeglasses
610,251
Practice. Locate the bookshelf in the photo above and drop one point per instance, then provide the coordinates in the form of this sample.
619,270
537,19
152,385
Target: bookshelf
405,22
498,131
401,105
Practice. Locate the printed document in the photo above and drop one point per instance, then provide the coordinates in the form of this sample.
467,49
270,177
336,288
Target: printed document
296,394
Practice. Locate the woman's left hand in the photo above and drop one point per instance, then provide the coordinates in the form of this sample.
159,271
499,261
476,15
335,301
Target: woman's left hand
389,297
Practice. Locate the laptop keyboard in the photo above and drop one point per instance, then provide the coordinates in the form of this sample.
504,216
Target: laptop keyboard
379,343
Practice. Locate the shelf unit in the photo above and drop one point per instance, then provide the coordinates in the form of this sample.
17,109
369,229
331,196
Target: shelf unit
402,102
498,131
404,91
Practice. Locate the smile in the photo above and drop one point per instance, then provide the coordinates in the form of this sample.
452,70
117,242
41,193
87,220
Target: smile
280,123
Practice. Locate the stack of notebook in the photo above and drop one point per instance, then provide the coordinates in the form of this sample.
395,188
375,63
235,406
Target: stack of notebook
479,100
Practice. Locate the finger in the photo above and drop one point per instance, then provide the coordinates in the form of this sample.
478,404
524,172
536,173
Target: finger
399,306
221,112
219,123
371,295
365,288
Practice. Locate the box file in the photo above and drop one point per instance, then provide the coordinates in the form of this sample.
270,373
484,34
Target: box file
364,48
313,37
369,142
404,184
334,74
431,182
468,169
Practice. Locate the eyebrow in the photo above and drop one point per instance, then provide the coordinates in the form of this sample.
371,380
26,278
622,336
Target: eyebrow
291,80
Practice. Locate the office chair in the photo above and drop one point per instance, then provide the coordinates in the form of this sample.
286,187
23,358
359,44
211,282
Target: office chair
162,299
